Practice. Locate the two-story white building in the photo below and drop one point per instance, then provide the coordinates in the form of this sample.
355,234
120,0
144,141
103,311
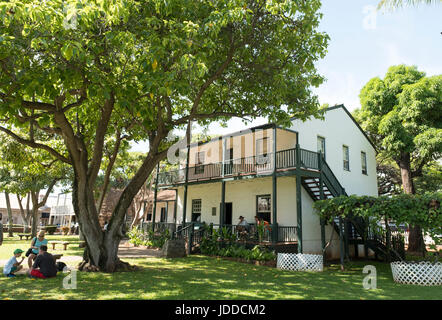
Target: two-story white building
275,174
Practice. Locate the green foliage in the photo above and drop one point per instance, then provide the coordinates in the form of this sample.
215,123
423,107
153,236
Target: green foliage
401,115
212,244
150,239
50,229
24,170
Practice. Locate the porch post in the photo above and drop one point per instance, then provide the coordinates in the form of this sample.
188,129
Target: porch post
186,184
298,197
223,203
174,206
274,190
341,242
155,198
321,196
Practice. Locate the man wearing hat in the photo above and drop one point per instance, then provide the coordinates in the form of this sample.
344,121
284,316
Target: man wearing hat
12,266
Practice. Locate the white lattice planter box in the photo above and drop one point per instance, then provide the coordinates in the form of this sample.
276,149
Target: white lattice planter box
300,262
422,273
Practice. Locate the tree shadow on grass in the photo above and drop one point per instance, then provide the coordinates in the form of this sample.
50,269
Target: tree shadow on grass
200,277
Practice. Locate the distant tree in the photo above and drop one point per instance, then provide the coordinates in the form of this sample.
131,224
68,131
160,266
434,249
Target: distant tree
9,209
401,113
26,172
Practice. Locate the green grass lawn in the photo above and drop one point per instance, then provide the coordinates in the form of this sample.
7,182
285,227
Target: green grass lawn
200,277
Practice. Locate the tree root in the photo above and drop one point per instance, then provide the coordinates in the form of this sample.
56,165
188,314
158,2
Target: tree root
86,266
120,266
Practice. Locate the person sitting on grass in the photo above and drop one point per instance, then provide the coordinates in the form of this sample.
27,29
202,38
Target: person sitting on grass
35,245
12,266
44,265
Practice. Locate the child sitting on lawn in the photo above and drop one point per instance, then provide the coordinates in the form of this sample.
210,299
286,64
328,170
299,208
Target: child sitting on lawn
12,266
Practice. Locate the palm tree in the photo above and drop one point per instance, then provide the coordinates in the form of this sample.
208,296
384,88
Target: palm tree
391,4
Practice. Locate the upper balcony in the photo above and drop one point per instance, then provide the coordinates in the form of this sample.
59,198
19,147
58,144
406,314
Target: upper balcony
260,165
257,152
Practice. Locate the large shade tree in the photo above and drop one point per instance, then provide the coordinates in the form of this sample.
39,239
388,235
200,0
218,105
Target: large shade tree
86,70
401,113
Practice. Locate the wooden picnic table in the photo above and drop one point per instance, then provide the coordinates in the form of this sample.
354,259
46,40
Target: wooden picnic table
64,243
57,256
26,235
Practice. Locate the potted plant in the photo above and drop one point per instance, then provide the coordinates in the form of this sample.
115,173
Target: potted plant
65,230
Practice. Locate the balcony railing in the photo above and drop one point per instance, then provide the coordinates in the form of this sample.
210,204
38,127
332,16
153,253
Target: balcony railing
285,233
254,165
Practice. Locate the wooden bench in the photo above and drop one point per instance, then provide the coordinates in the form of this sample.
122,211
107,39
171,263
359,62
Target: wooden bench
64,243
26,235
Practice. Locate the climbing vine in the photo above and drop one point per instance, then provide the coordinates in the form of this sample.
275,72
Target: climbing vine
422,210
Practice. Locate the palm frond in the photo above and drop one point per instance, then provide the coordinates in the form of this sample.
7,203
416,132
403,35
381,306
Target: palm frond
393,4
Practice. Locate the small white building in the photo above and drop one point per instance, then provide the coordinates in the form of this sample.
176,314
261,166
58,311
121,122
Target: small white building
276,174
62,210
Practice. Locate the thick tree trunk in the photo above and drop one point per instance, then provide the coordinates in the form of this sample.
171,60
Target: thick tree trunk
415,238
26,226
101,253
10,222
34,222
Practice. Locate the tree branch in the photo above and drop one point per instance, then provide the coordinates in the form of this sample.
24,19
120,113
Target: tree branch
99,139
34,144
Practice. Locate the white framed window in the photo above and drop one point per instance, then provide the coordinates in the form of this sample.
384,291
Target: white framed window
364,162
200,157
321,145
346,156
196,209
262,150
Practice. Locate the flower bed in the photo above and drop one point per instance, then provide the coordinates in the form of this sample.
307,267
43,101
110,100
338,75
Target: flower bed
300,262
422,273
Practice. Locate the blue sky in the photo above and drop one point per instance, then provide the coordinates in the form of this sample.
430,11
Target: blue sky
363,44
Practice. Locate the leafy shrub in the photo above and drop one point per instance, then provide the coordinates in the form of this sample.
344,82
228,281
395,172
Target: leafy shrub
213,245
151,239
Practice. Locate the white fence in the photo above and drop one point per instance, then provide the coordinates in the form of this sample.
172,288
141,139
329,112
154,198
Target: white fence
300,262
422,273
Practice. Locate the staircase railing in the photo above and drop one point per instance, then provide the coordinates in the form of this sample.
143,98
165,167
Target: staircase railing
330,179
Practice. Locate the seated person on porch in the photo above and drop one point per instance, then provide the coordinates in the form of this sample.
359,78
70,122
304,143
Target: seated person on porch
35,246
44,265
243,225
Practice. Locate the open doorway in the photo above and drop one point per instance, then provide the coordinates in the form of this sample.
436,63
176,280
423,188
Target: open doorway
227,212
